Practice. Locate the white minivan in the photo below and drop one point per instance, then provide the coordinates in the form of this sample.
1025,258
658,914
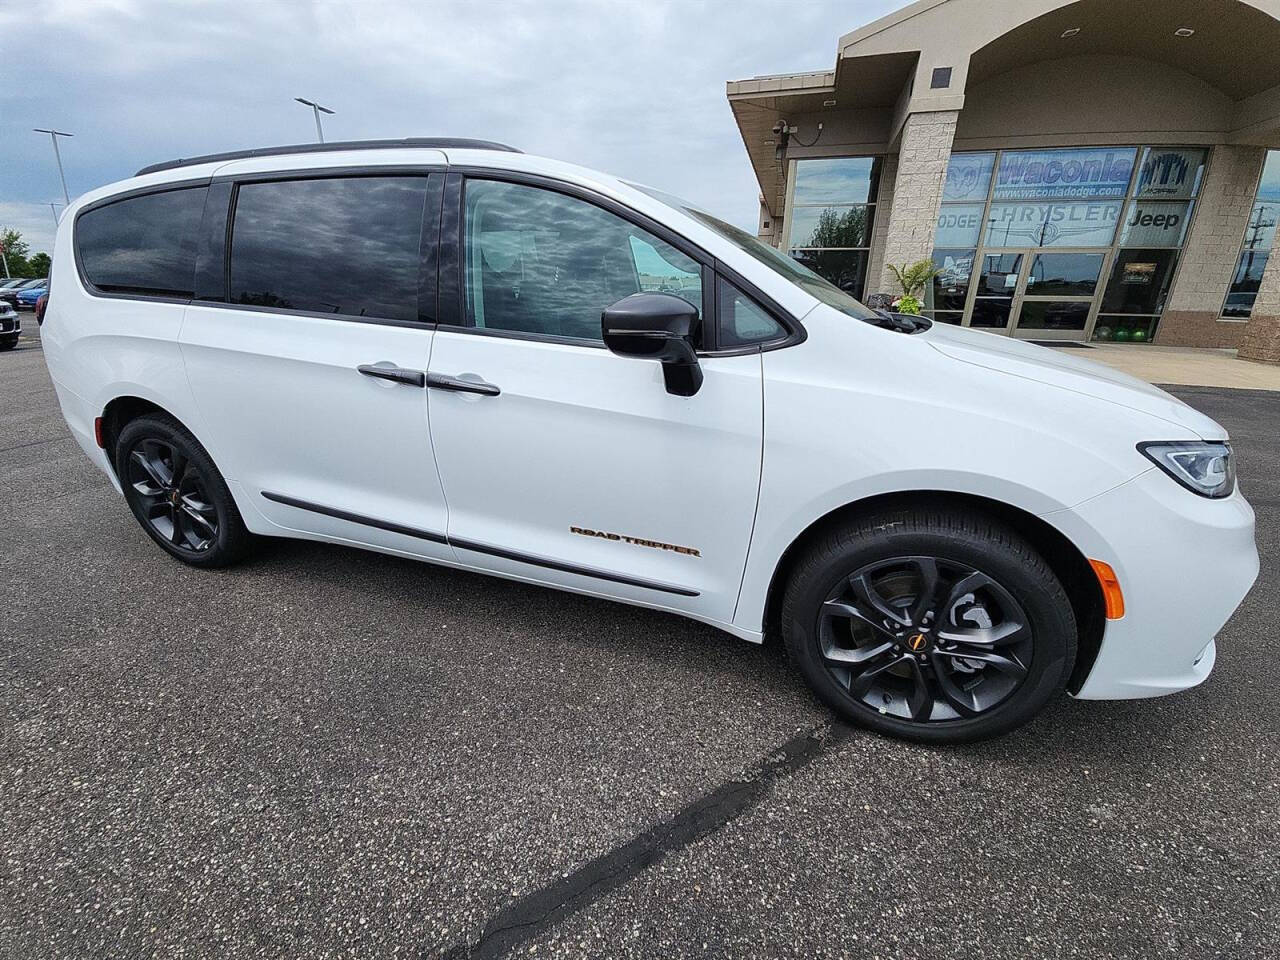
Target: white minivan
451,351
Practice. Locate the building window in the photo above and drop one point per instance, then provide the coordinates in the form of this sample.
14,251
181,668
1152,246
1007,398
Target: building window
1044,240
831,217
1258,237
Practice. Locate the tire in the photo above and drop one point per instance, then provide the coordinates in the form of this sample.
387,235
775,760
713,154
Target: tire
998,646
8,343
191,516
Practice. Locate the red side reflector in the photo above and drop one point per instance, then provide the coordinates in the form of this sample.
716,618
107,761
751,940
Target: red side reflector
1112,596
97,433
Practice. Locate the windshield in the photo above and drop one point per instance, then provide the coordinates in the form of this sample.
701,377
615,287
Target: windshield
778,262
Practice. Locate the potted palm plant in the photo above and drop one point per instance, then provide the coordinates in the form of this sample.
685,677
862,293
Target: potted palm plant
912,277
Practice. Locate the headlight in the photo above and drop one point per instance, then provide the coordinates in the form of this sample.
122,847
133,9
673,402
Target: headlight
1206,468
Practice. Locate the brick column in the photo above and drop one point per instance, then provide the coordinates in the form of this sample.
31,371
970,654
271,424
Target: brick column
1210,252
1261,340
917,191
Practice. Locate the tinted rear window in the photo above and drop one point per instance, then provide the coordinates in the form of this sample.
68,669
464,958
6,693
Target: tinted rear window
341,245
143,245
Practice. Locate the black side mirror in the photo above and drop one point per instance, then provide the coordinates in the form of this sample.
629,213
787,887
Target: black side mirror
657,326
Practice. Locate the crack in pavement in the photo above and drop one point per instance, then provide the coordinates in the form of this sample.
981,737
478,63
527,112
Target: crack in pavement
523,919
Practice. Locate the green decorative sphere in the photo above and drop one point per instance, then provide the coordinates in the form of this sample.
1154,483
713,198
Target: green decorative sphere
1102,333
1122,334
1139,336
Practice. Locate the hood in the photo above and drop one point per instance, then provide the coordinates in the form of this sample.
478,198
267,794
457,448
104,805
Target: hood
1057,368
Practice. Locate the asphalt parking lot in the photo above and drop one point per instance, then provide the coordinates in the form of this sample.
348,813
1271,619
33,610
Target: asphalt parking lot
329,753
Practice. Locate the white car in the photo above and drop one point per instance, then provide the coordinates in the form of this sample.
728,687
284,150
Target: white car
451,351
10,326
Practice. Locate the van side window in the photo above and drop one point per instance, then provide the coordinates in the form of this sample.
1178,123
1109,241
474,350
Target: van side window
744,322
143,245
341,245
540,262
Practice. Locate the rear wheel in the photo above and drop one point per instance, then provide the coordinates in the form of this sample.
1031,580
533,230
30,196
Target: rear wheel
941,627
178,495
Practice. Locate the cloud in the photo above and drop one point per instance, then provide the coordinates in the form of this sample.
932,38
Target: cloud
633,87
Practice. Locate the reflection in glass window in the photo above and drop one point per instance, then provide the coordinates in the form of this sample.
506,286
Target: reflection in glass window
951,283
1261,232
1259,236
346,245
847,269
830,226
1064,274
836,180
143,245
833,209
959,224
1139,281
991,314
1053,314
742,320
1081,224
1269,185
1171,173
968,177
1149,224
999,277
544,263
1244,284
1072,173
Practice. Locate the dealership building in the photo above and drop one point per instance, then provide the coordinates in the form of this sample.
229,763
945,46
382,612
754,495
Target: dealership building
1090,171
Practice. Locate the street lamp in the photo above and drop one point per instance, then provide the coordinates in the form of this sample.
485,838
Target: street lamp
54,135
317,110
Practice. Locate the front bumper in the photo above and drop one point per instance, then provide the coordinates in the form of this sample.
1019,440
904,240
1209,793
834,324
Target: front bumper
1184,563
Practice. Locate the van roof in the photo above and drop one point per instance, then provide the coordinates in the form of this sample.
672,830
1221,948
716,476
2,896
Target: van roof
436,143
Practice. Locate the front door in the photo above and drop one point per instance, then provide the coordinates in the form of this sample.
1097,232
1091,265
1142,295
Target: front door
324,280
1038,294
563,462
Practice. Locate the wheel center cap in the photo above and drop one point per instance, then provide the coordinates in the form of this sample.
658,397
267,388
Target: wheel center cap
917,642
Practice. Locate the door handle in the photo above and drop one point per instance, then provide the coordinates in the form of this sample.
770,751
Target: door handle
414,378
458,385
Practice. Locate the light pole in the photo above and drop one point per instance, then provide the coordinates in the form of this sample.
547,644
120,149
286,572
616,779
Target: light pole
317,110
53,208
54,135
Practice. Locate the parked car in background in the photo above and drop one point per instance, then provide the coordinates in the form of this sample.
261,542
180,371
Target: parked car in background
41,305
10,326
948,528
10,290
27,298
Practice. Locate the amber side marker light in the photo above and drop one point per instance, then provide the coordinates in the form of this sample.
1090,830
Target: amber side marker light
1113,597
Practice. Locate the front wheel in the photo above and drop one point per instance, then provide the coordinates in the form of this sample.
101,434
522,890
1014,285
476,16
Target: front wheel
8,343
178,495
934,626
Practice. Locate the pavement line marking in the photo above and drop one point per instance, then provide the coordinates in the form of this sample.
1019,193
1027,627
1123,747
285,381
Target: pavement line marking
524,919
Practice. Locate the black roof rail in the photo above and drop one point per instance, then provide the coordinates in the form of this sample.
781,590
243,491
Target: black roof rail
437,143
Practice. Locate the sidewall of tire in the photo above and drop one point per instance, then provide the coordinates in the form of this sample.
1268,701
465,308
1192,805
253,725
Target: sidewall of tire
996,552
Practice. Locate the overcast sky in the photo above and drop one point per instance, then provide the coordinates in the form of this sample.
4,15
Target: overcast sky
632,88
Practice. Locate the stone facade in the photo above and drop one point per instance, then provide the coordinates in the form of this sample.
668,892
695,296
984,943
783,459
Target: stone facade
1209,255
917,193
880,230
1261,339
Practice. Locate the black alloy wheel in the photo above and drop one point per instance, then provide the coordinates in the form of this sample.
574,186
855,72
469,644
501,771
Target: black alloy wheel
174,500
925,639
177,494
941,626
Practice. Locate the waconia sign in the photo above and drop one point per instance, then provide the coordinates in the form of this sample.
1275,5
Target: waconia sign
1064,174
